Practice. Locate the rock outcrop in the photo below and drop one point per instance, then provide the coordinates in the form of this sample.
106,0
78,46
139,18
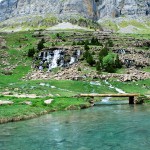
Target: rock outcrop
92,9
61,8
117,8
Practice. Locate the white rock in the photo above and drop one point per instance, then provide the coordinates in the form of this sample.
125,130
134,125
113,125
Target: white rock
6,102
49,101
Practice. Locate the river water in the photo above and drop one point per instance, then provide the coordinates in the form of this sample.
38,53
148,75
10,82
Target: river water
103,127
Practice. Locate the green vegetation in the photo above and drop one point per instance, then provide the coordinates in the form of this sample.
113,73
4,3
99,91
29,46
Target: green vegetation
138,27
17,59
31,52
141,86
19,110
111,62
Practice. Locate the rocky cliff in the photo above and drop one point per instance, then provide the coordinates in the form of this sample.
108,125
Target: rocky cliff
117,8
60,8
93,9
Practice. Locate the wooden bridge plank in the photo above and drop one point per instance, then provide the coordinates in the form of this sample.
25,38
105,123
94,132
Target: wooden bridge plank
108,95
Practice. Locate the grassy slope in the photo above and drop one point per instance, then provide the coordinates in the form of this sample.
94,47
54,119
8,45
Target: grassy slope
141,27
18,45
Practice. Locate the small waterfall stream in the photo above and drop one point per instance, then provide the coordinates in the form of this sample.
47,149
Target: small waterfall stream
54,64
54,58
106,99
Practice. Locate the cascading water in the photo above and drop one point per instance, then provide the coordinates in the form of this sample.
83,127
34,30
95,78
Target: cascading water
117,89
56,58
72,61
106,99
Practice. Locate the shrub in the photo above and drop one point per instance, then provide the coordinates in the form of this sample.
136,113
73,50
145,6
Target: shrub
79,69
94,41
53,44
31,52
98,66
90,60
86,47
111,62
57,35
40,45
110,43
73,43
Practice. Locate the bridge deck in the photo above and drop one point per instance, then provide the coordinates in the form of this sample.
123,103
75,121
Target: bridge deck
108,95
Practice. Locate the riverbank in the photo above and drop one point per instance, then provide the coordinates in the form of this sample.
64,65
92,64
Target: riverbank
28,108
21,108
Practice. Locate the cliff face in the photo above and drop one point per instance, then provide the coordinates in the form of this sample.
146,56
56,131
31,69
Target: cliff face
61,8
93,9
117,8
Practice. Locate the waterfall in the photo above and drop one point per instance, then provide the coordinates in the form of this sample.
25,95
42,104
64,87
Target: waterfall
54,59
78,52
72,61
121,51
106,99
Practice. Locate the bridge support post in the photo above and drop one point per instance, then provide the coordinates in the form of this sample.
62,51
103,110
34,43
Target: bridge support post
91,101
131,100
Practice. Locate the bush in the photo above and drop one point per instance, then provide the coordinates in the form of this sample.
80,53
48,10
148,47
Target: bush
79,69
53,44
103,52
98,66
89,58
31,52
57,35
73,43
94,41
110,43
110,62
86,47
40,45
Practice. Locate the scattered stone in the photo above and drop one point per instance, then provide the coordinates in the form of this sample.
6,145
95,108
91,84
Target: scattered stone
49,101
72,107
27,102
6,102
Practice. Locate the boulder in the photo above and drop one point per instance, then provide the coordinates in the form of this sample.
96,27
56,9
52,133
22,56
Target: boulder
6,102
47,102
27,103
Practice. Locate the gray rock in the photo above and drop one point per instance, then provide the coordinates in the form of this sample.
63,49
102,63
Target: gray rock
92,9
5,102
49,101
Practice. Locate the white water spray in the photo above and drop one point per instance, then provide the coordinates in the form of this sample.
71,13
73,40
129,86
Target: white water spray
106,99
72,61
55,59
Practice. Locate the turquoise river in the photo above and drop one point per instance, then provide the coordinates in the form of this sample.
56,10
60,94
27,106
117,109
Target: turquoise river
103,127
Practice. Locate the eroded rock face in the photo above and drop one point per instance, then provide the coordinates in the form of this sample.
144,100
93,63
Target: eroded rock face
117,8
92,9
63,8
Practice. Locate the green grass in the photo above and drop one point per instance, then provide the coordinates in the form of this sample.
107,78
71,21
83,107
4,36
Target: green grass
61,91
147,69
142,86
38,107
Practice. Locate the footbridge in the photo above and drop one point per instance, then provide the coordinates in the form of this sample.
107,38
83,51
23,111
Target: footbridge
130,96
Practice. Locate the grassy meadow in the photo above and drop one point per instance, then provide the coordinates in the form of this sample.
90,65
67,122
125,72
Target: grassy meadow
15,64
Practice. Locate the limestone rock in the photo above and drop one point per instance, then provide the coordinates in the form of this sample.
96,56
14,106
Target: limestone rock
5,102
92,9
47,102
27,103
